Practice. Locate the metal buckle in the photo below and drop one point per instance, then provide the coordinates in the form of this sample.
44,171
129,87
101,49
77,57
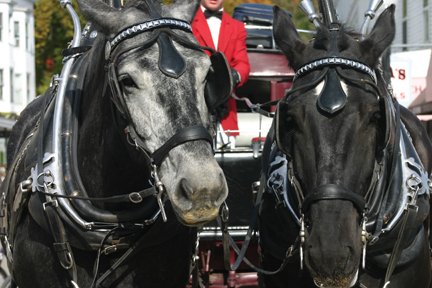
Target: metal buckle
71,261
8,249
109,250
302,240
160,187
224,213
135,197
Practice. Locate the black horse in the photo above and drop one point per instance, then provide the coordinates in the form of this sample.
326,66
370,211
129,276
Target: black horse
136,117
345,187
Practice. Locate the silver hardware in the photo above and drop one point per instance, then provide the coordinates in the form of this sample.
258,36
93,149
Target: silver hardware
369,15
93,34
109,250
302,240
71,261
75,285
160,187
374,240
364,235
336,61
50,200
8,249
63,3
386,284
135,197
224,212
152,220
148,25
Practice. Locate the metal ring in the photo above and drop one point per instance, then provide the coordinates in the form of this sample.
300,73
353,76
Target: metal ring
135,195
45,174
413,178
70,260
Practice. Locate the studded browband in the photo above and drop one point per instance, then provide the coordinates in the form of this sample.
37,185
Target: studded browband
146,26
335,61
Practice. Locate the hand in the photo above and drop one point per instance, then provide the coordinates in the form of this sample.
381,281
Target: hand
235,77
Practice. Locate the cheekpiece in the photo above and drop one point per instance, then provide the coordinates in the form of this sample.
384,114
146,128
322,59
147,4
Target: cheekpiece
149,25
335,61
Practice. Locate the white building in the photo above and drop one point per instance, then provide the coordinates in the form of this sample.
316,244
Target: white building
17,53
17,60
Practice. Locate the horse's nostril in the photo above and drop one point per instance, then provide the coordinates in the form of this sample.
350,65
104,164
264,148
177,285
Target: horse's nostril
185,189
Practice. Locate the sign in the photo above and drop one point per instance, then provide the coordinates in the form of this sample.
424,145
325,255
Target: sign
401,81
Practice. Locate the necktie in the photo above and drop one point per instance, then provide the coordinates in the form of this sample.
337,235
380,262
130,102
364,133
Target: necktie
209,13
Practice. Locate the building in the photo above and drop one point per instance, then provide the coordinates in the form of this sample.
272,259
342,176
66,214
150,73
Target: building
17,65
410,52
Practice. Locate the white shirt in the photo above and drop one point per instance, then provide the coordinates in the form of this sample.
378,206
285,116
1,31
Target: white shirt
214,24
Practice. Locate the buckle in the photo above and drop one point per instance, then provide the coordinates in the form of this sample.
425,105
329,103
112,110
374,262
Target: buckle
109,250
135,197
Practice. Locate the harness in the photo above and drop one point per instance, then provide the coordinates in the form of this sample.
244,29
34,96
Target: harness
397,199
62,207
394,206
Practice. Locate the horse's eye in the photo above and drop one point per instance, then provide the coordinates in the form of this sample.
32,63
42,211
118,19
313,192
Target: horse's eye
127,82
375,117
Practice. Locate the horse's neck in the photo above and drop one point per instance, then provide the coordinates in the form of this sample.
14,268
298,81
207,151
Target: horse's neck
107,164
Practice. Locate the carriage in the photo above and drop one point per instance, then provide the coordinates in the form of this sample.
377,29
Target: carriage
207,255
269,79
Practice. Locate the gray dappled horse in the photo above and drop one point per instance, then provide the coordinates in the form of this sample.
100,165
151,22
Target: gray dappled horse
355,187
143,117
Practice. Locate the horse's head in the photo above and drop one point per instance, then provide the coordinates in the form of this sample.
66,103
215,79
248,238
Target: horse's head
158,77
332,126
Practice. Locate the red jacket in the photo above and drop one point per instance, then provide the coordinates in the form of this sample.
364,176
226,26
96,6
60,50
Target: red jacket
232,42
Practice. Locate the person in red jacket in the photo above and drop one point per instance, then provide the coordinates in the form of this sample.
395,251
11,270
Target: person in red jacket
214,28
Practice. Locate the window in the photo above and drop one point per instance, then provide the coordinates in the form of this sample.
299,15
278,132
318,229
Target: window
1,26
425,3
1,84
11,85
17,92
16,33
27,35
28,88
404,34
426,25
17,89
404,8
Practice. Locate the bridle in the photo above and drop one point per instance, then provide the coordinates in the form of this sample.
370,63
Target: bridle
174,67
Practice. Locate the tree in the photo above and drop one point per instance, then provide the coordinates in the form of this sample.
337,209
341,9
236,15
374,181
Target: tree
53,31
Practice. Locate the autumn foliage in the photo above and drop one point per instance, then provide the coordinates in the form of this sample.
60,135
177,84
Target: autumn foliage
54,30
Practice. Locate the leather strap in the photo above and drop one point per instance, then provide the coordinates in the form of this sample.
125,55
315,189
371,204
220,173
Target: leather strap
61,244
334,192
405,231
192,133
135,197
227,240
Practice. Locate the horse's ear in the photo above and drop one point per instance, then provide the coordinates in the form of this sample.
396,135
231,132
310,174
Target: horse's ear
380,38
287,38
182,9
98,12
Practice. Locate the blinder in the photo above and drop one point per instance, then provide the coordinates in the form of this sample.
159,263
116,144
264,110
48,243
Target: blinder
219,84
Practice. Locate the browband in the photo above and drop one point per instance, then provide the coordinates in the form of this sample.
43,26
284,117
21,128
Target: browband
335,61
146,26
